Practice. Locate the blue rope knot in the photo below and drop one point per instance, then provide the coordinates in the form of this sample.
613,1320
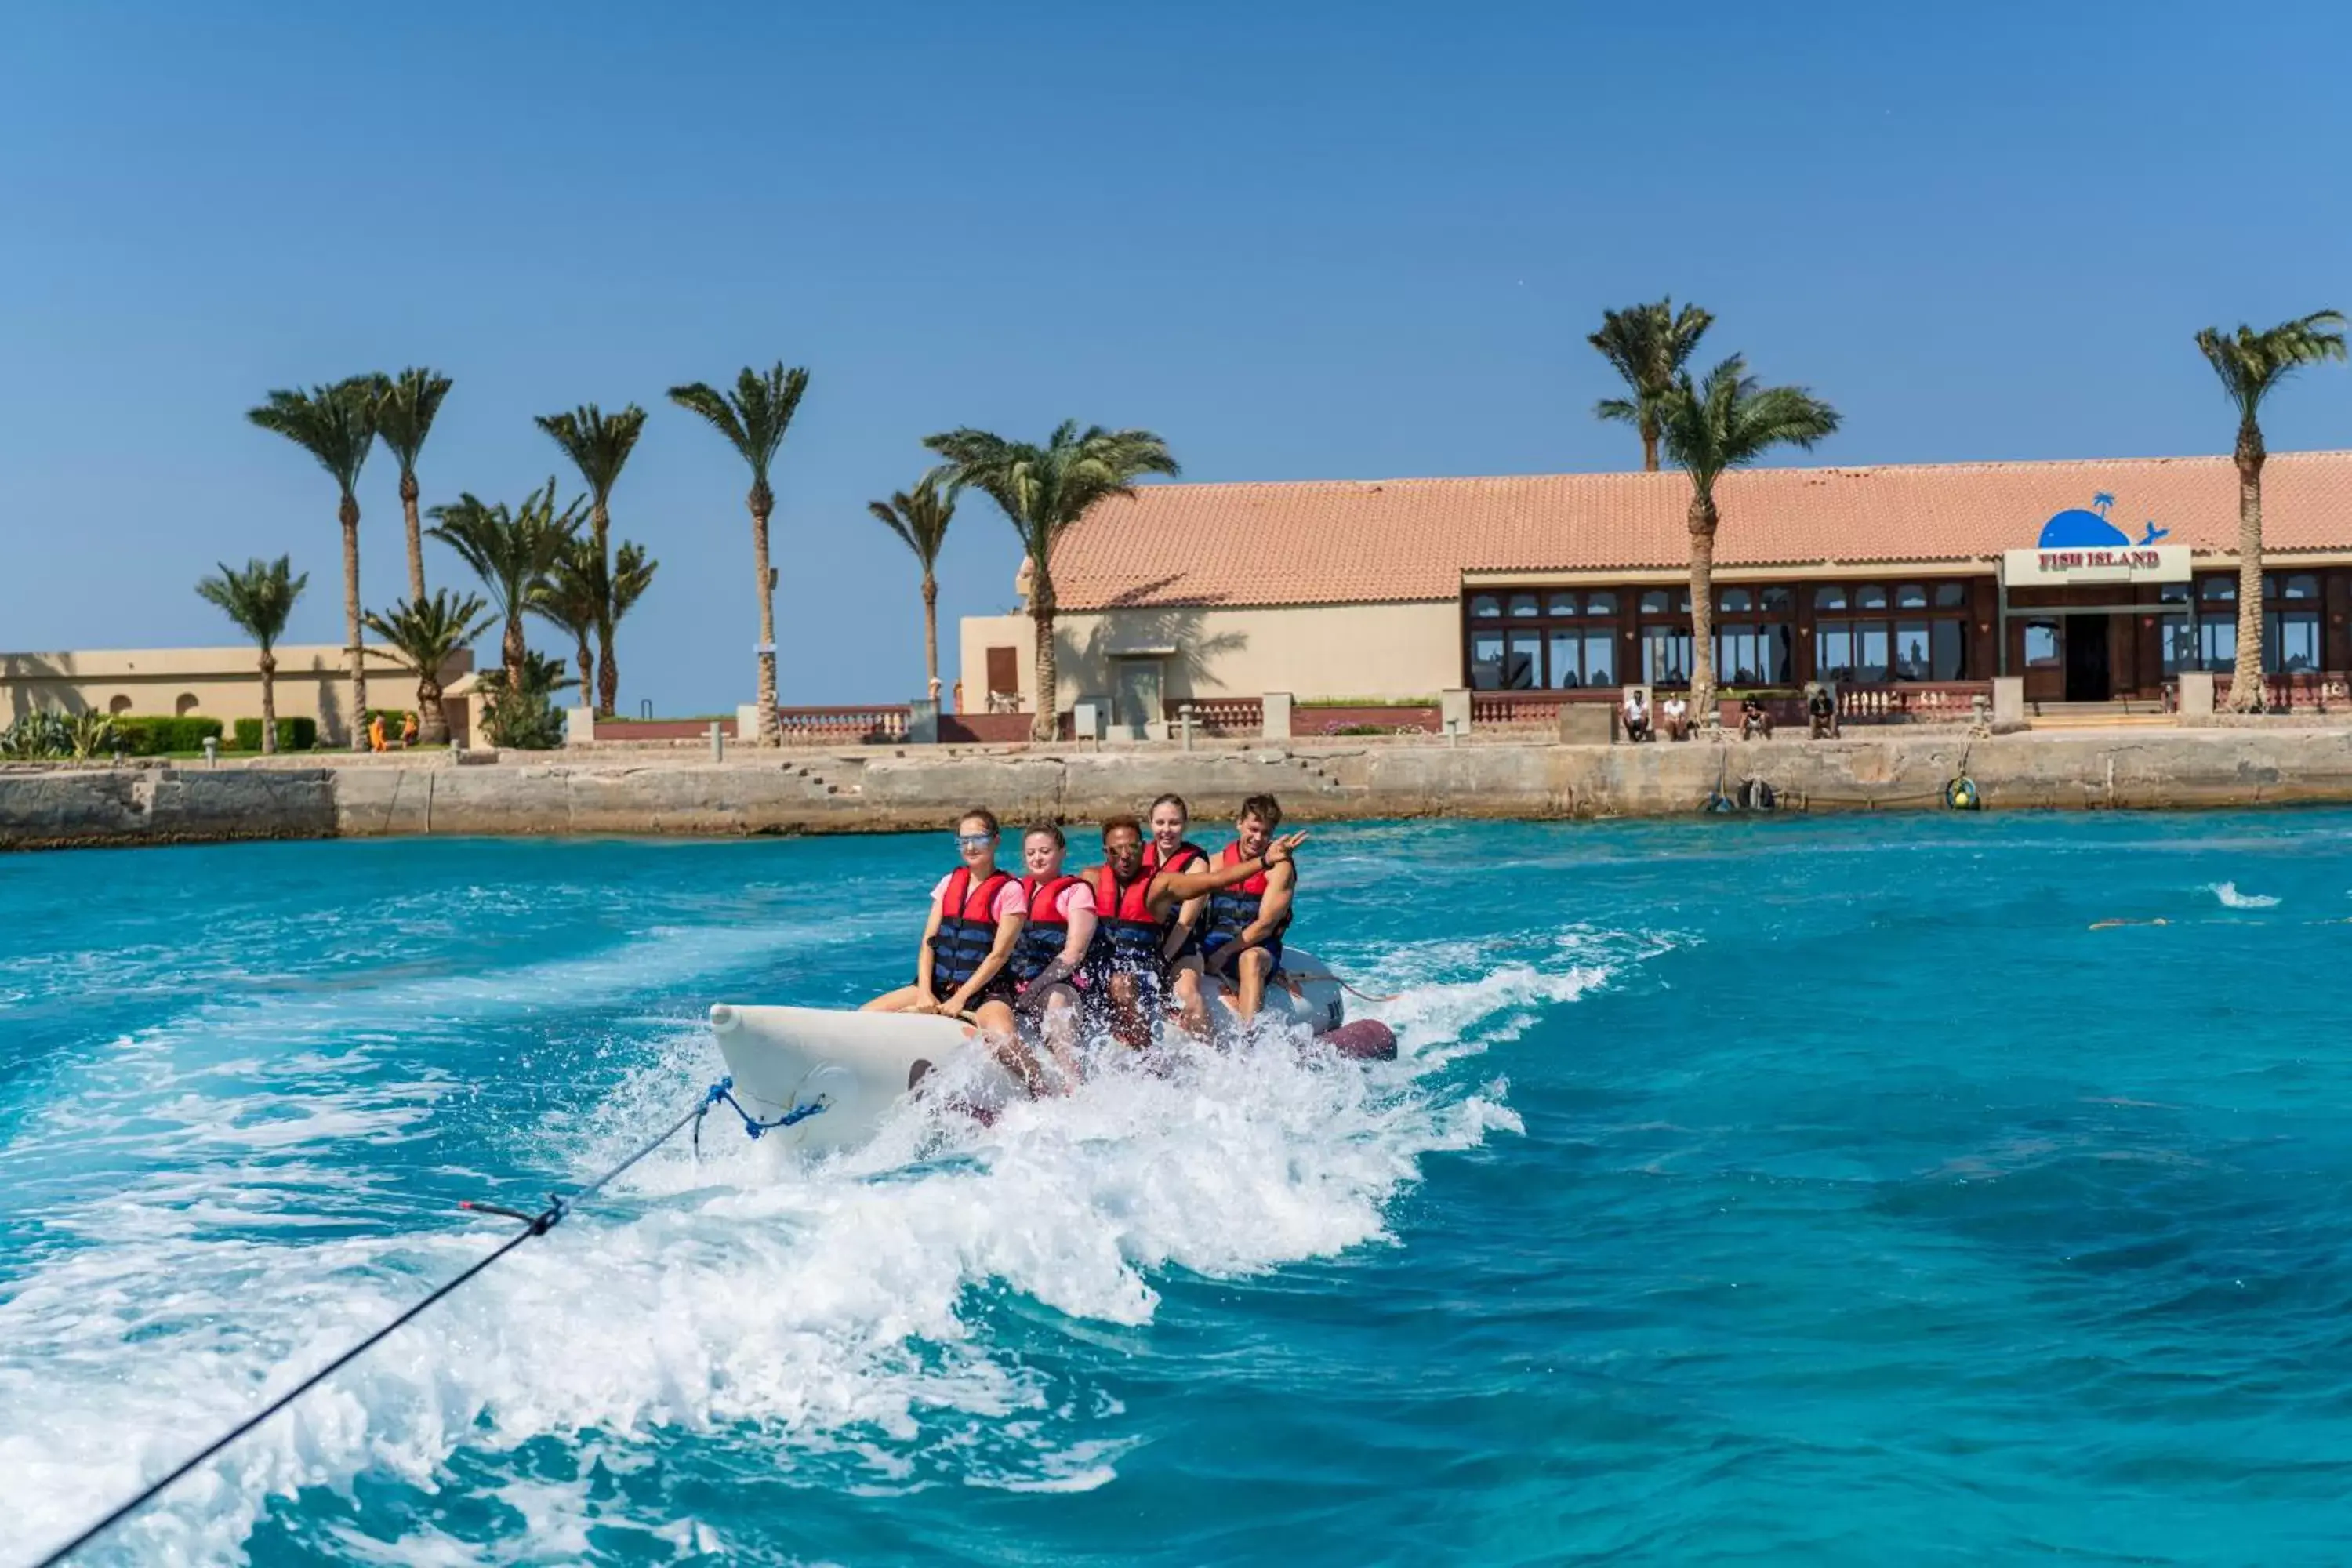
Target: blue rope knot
722,1093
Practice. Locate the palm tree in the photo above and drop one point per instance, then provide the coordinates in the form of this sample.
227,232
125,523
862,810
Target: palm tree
599,445
511,553
336,425
921,519
425,633
1647,344
1045,490
1726,422
259,598
404,407
754,418
580,593
2251,366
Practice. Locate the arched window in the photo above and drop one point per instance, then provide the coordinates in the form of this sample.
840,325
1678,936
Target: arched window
1563,604
2303,585
185,705
1736,601
1870,597
1778,599
1654,603
1911,596
1951,595
2222,588
1486,607
1523,605
118,705
1601,605
1828,597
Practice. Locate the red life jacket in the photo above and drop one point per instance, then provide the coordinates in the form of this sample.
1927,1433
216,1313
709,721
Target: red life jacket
967,932
1127,934
1047,930
1187,856
1232,909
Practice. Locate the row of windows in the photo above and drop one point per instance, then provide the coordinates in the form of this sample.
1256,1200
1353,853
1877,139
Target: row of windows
1567,604
2224,590
1864,651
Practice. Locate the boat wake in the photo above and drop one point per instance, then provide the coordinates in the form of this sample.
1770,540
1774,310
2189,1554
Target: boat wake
924,1309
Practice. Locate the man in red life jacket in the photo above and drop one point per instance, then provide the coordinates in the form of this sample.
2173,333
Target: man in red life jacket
1167,849
1048,962
1241,950
976,916
1132,909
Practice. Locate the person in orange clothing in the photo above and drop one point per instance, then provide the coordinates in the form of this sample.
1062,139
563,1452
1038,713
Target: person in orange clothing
408,729
375,733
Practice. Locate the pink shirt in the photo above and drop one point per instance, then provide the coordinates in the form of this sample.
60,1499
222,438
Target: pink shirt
1010,898
1075,896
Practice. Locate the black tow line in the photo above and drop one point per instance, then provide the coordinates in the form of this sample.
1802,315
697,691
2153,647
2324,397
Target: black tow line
558,1207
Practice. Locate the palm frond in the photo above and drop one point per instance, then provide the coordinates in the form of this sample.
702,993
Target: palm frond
406,407
598,443
1727,421
1044,492
259,598
426,632
921,517
336,425
508,550
2252,364
755,418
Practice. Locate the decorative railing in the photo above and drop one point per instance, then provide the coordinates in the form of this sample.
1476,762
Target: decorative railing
1218,715
1530,710
843,726
1364,718
1942,699
2309,691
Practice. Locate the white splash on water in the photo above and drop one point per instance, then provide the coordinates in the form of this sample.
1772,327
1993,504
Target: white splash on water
2234,900
837,1313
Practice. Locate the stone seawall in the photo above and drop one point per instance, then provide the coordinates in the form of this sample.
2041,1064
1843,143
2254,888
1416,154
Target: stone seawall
897,790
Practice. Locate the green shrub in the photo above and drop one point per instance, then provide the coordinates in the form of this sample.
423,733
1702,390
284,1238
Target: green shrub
293,734
39,734
152,735
526,719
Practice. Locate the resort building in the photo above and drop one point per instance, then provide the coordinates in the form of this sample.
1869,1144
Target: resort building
221,683
2093,581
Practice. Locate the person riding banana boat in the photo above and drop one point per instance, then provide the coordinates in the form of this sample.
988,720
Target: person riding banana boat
1049,958
1241,947
963,967
1134,908
1168,849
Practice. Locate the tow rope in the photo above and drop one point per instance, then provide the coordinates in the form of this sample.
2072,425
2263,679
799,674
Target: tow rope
559,1206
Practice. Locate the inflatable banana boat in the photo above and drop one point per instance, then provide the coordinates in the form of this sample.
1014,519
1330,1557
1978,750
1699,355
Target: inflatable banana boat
783,1061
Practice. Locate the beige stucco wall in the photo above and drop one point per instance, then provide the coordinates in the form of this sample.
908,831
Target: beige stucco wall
1314,652
221,683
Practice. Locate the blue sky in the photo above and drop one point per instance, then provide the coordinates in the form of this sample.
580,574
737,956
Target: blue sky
1300,241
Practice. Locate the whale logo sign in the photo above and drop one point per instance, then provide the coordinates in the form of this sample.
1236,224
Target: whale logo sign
2078,529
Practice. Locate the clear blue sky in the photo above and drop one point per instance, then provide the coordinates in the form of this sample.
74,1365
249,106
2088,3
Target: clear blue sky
1347,240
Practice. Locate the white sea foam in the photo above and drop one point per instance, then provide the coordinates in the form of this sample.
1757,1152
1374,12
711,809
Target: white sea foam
836,1312
2234,900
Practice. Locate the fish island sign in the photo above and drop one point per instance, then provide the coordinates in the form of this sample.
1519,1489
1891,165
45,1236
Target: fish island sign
2080,545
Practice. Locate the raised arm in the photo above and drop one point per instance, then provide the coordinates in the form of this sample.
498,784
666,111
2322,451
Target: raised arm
1170,885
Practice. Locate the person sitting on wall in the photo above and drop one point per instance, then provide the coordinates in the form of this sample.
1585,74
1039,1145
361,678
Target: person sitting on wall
1637,716
1675,715
1755,718
375,733
407,730
1821,711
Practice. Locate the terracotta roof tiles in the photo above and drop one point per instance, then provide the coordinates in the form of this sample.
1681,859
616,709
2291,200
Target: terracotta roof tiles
1329,542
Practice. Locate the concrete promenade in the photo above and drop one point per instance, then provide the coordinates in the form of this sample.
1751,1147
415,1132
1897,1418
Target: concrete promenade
884,789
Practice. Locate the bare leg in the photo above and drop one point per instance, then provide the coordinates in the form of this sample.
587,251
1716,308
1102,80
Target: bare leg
902,1000
1058,1031
1252,970
1002,1037
1192,1000
1128,1024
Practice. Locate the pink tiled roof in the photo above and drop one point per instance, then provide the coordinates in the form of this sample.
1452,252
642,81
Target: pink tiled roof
1327,541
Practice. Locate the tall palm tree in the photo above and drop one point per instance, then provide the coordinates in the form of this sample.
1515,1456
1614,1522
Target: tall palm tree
1726,422
1045,490
921,519
406,405
1647,344
336,425
754,418
599,445
580,592
259,599
511,553
425,632
2252,364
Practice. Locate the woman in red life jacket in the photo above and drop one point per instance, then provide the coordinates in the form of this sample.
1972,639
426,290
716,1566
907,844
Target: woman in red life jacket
975,922
1131,911
1169,850
1242,948
1049,960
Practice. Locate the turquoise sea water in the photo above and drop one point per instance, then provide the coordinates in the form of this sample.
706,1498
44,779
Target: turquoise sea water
1791,1191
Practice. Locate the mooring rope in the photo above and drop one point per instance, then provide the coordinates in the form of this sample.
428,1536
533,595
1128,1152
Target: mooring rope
540,1224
